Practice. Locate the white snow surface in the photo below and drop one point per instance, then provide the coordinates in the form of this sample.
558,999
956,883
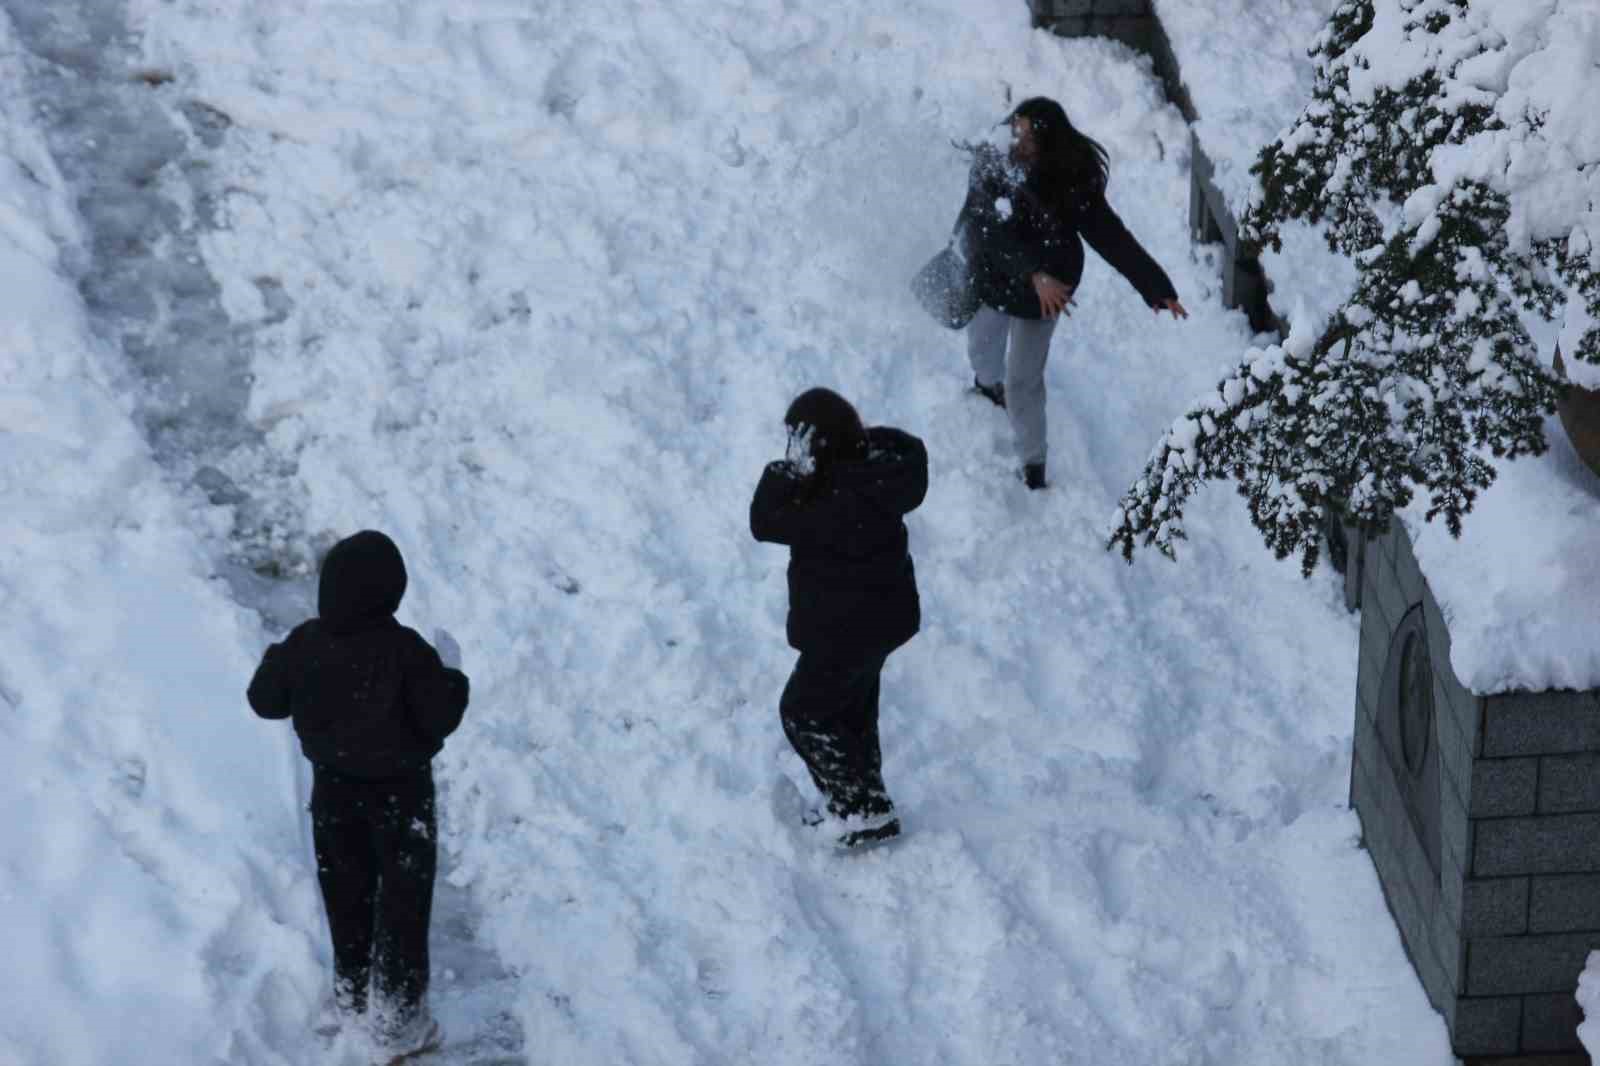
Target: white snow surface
1589,1000
556,272
1247,68
1519,589
155,900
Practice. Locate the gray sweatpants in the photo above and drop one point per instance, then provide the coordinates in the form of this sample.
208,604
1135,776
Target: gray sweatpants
1020,365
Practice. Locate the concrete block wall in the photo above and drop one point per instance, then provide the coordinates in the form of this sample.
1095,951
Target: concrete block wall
1536,866
1428,903
1500,931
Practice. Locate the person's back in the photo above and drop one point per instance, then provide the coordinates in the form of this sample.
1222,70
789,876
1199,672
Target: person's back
851,578
839,502
372,703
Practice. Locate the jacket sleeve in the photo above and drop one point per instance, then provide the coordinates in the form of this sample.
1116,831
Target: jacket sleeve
1110,238
779,516
269,688
435,695
920,485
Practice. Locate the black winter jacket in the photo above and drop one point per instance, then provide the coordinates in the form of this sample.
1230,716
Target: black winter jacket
852,585
1007,235
369,697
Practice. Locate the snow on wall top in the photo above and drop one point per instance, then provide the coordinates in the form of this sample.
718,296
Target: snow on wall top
1246,67
1520,589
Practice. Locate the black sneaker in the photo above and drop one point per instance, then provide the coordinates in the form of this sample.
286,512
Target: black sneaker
995,394
1033,476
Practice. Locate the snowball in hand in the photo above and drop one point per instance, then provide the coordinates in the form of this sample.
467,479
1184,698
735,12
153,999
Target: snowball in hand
800,456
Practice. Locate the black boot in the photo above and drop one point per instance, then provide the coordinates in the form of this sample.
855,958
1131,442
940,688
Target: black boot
1033,475
995,394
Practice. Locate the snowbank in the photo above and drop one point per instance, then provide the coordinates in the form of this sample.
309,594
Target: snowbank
1245,65
155,899
1521,588
1589,1000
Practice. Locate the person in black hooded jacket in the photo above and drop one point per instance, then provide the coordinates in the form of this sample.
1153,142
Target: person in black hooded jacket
1020,231
372,703
839,502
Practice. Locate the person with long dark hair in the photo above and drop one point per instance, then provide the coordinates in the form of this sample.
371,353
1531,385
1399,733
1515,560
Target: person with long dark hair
1020,231
839,501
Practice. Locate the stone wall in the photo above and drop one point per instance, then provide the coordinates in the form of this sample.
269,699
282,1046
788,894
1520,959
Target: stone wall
1425,895
1486,841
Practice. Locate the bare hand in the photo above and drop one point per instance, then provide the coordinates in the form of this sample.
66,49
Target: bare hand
1171,305
1054,296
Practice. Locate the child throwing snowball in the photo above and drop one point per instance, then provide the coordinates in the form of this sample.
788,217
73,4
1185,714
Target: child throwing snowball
839,501
372,703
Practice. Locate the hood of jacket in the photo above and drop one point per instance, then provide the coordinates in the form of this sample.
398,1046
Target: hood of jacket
894,474
363,581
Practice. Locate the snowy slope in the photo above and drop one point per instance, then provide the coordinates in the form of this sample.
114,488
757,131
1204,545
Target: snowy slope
153,893
553,273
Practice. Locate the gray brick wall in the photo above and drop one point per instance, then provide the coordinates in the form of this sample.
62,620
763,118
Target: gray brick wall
1543,844
1495,907
1569,783
1541,723
1504,788
1525,965
1499,934
1550,1023
1564,904
1488,1025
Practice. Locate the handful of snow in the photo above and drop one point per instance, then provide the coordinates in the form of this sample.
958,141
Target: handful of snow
801,459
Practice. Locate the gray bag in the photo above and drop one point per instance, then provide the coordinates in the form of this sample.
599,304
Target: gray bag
944,288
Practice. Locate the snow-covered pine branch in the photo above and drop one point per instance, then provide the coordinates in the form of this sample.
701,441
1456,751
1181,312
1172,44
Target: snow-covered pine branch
1443,151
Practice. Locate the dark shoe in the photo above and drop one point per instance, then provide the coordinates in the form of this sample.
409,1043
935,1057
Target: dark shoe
1033,475
995,394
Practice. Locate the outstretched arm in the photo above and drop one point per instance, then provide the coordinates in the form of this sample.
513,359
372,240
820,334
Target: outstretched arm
1106,234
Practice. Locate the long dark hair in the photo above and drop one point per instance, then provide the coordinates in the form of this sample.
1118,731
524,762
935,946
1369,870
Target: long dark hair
835,429
1071,165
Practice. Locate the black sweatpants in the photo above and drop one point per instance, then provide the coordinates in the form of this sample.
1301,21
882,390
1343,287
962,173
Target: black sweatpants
376,856
830,715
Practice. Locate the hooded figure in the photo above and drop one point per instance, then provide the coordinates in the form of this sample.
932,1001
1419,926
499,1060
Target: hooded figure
372,704
839,502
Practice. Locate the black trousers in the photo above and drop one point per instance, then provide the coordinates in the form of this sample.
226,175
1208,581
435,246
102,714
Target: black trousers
830,715
376,857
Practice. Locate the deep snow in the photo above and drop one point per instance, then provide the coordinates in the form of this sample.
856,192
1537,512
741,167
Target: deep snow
529,288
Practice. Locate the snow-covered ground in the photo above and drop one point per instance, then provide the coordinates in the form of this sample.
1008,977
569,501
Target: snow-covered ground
1247,68
529,287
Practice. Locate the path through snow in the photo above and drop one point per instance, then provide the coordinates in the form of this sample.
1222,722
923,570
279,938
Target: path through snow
145,190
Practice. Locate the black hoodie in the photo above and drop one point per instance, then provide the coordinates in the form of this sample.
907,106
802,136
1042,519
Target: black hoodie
852,586
369,697
1007,235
